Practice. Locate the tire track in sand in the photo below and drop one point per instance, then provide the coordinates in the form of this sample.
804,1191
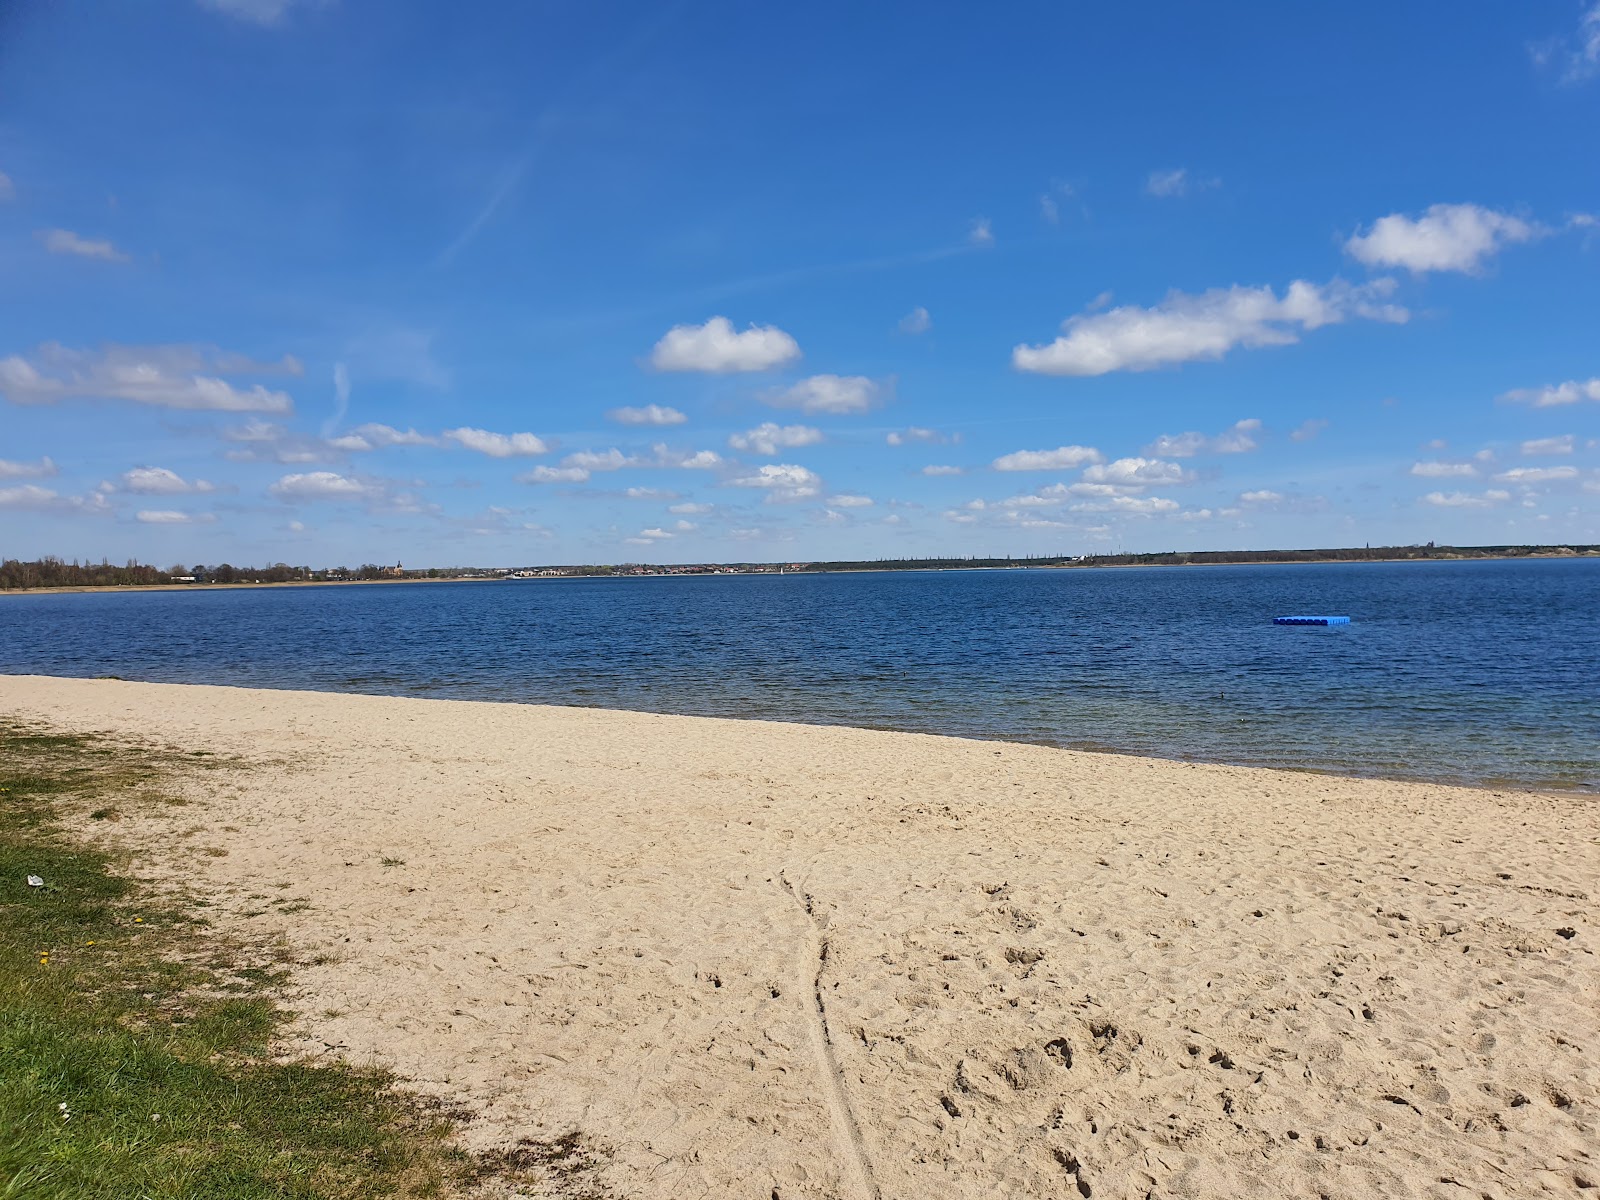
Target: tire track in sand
854,1164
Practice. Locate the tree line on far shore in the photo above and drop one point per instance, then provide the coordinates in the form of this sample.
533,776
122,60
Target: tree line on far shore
56,573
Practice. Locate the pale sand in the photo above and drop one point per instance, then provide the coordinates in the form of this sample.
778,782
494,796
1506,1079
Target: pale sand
759,960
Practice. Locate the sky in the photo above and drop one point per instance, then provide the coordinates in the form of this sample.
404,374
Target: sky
329,282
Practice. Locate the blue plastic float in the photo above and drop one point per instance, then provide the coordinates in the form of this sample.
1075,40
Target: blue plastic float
1311,620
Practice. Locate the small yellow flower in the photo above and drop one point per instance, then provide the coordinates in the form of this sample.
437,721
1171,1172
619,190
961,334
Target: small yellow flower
138,920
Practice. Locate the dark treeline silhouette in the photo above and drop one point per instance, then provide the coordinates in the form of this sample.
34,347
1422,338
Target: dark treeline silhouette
55,572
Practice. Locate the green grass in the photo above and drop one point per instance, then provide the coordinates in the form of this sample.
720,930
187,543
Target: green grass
134,1040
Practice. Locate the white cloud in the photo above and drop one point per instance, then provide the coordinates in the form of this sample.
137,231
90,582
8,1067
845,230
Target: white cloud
14,469
64,241
837,394
716,348
654,533
1174,182
916,321
170,516
1447,237
650,414
690,508
685,526
1063,458
916,434
1443,470
1578,56
164,376
599,460
696,460
645,493
1308,429
1549,445
554,475
30,496
1465,499
1135,472
981,233
783,481
850,501
1188,328
1570,392
375,436
1537,474
942,469
320,485
8,190
1143,505
159,481
1239,438
1263,496
769,436
497,445
266,13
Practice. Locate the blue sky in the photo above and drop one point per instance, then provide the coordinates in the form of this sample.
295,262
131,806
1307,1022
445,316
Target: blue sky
335,281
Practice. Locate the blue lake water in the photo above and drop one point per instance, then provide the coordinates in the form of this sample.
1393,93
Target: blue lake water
1483,672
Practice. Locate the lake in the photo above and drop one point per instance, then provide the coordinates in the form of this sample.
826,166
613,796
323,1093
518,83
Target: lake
1478,672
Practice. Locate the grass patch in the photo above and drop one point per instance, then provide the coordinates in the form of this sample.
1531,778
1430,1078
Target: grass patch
134,1041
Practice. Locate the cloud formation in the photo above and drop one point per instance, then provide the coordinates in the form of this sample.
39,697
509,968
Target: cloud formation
837,394
981,233
1549,445
1551,396
497,445
44,468
769,436
782,481
1189,328
1447,237
159,481
649,414
64,241
266,13
916,321
171,516
1062,458
321,485
717,349
1239,438
1135,472
183,377
1443,470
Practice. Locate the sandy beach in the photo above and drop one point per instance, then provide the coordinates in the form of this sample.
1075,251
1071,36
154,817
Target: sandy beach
757,960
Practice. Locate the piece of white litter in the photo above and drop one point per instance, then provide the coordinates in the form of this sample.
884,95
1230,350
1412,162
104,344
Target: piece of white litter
35,881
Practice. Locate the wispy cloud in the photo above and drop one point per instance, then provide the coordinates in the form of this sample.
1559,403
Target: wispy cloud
916,321
769,436
266,13
43,468
1550,396
1576,57
981,233
64,241
184,377
649,414
837,394
1239,438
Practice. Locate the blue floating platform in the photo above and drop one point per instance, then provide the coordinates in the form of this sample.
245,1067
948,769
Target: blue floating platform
1311,620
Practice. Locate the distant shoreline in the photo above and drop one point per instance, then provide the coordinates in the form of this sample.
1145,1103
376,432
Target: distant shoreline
852,570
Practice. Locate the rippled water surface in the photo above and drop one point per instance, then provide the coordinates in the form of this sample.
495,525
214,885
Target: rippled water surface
1482,672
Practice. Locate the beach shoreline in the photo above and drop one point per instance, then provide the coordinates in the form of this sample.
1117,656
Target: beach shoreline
747,957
